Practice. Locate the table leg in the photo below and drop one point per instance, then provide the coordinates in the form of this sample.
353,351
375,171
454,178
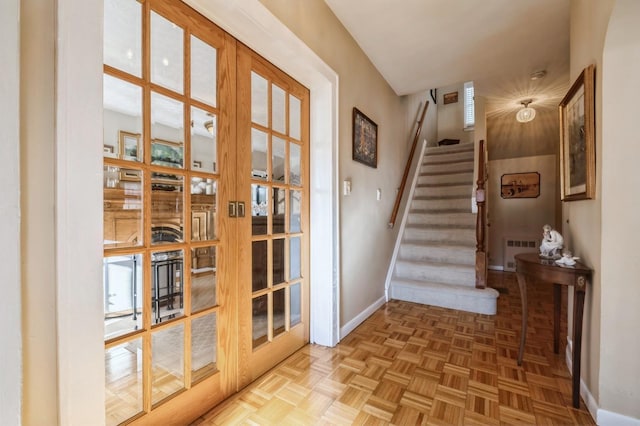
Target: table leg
578,307
523,297
556,317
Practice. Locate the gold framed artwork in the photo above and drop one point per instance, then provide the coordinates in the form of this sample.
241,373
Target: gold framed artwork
129,144
365,139
577,139
166,153
520,185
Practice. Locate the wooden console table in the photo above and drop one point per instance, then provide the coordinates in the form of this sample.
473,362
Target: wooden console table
530,265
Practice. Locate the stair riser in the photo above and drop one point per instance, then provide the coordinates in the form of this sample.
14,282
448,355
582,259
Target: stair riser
446,254
454,235
443,191
448,149
449,274
444,204
455,219
457,178
458,156
447,168
434,296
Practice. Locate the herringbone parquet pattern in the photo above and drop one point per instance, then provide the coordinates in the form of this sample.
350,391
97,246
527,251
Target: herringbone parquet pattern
413,364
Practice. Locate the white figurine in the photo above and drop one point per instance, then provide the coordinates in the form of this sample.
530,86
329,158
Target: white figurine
567,259
552,243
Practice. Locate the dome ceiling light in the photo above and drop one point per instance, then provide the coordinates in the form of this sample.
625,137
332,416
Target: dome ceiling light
526,114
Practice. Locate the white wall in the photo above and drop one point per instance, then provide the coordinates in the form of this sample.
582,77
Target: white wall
582,220
451,116
509,138
620,340
519,217
11,349
415,103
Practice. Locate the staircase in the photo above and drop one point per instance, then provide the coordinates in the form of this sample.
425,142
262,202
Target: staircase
436,259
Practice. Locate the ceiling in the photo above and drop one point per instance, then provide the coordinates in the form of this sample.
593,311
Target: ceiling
425,44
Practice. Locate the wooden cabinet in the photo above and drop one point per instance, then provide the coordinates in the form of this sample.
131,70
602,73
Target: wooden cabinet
123,217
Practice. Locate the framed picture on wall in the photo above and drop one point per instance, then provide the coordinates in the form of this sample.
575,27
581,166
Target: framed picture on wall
129,146
450,98
166,153
520,185
365,139
577,139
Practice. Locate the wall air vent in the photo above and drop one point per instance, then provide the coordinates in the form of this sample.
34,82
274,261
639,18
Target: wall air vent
515,245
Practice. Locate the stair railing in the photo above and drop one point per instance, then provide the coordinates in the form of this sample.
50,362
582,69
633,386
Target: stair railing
396,205
481,254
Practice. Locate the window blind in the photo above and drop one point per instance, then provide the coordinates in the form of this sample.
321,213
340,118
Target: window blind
469,113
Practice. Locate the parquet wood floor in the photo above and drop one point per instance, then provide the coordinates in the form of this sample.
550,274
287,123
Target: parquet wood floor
413,364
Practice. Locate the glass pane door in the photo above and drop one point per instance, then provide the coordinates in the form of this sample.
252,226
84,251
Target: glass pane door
197,301
273,182
168,164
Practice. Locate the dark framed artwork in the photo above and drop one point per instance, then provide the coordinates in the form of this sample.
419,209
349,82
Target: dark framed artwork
577,139
365,139
450,98
520,185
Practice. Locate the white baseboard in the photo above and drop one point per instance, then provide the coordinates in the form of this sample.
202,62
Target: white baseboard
359,319
602,417
496,267
608,418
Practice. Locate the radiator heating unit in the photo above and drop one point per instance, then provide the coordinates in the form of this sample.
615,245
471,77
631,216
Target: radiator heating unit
515,245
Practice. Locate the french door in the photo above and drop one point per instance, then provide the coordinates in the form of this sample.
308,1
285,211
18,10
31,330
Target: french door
272,176
206,213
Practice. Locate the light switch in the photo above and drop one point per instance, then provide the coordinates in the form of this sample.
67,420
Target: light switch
378,194
346,187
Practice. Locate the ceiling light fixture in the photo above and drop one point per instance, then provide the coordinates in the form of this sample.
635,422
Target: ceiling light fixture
526,114
209,126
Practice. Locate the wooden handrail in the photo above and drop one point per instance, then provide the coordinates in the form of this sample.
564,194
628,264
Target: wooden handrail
396,206
481,255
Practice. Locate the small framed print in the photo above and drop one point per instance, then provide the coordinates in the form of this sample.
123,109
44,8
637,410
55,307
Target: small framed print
109,150
450,98
520,185
129,146
365,139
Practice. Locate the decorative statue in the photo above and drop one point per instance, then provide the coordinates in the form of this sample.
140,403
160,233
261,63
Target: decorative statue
567,259
552,243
